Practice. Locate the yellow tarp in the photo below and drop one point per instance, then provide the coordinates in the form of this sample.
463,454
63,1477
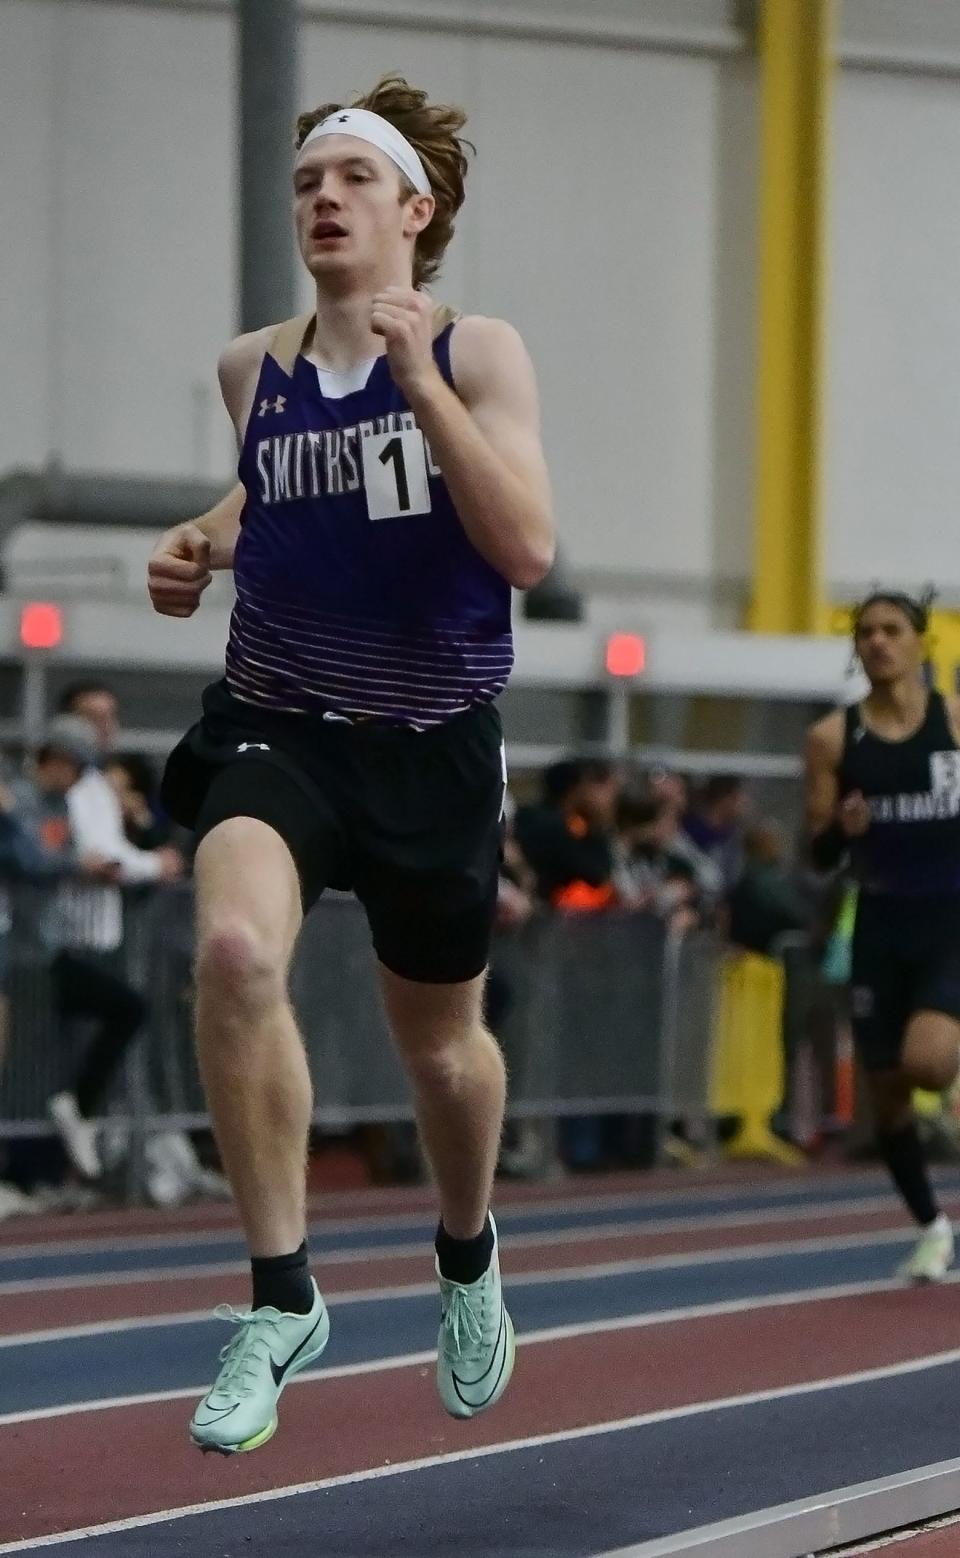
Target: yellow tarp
748,1073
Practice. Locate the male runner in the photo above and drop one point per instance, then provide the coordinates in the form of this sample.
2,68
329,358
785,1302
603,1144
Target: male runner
883,784
392,490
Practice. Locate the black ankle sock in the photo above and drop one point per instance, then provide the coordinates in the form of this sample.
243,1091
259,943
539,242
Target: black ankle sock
283,1281
902,1153
464,1260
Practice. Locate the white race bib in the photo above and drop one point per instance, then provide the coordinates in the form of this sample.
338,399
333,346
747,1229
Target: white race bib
395,474
945,773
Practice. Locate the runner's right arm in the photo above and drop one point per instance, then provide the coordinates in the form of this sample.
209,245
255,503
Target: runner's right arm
185,557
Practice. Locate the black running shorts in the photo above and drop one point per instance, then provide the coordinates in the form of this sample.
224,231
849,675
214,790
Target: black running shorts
409,820
906,959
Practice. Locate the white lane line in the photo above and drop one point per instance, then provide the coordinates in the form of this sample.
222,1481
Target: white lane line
577,1205
719,1256
557,1333
384,1252
538,1441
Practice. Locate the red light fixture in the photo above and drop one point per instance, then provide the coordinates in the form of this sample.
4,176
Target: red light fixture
626,654
41,625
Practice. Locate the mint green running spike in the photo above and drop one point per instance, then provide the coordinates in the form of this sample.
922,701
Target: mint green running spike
476,1347
240,1411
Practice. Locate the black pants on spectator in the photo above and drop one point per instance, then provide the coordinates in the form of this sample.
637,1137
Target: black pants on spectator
84,985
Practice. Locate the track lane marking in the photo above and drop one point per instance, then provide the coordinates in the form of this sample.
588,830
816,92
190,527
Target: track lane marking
379,1473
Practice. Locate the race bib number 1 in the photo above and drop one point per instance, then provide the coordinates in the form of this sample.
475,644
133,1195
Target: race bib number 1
395,474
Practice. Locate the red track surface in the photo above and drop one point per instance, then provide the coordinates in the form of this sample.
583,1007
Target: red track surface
369,1202
942,1543
372,1201
342,1425
932,1544
62,1465
183,1294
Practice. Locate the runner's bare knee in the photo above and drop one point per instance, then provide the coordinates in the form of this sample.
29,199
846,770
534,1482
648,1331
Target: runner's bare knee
248,914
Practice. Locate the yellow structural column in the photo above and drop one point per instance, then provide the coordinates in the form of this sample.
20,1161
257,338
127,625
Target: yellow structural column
796,62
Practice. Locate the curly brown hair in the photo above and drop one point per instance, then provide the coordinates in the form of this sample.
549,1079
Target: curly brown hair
432,129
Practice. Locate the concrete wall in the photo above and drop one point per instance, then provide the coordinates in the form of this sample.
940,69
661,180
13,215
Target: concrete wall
610,215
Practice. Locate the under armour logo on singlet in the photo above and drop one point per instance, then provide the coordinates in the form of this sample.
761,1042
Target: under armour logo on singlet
253,746
272,405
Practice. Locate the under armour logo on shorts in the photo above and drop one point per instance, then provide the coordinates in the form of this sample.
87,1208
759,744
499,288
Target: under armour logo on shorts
272,405
253,746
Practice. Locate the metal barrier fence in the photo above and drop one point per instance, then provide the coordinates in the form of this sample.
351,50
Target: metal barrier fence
607,1013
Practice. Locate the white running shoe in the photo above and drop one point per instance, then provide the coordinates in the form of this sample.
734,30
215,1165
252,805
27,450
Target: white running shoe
79,1136
932,1256
14,1202
476,1347
239,1412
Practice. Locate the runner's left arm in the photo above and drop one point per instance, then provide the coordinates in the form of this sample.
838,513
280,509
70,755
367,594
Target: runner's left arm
485,437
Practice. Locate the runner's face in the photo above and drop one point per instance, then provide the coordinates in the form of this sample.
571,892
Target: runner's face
888,644
348,209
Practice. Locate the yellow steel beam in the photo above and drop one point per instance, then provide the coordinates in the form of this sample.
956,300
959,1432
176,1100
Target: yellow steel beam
796,61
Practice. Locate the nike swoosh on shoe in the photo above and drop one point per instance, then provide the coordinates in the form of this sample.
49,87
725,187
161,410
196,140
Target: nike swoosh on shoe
214,1417
278,1370
499,1346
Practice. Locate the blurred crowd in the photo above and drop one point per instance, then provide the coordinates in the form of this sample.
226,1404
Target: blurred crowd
81,818
79,823
603,836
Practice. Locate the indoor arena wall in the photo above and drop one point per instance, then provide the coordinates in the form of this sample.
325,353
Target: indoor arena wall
631,274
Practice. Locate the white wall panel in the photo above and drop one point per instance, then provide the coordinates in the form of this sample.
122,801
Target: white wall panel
893,477
901,29
26,251
116,249
146,174
593,228
609,215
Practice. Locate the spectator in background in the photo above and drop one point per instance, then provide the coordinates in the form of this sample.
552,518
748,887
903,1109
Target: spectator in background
766,902
97,704
568,843
714,823
646,874
568,838
673,791
521,1149
96,818
654,873
135,787
37,845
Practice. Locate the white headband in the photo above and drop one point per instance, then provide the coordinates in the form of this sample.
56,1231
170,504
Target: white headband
366,126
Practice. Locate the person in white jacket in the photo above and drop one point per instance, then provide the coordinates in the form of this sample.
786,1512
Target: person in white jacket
89,913
96,822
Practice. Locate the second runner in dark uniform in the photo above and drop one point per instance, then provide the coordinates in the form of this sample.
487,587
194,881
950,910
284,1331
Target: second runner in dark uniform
883,788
